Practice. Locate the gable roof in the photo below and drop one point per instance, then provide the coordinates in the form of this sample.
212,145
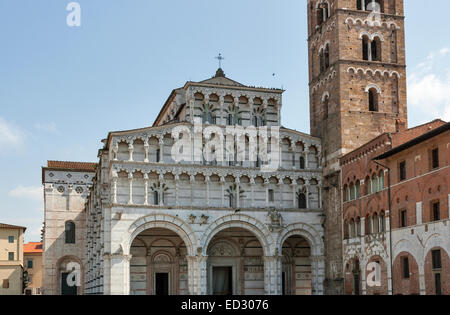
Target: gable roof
8,226
221,79
415,141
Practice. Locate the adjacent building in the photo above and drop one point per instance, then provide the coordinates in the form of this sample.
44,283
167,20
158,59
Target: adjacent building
66,187
395,212
34,267
11,259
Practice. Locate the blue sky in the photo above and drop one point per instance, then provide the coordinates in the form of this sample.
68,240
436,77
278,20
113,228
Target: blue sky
62,89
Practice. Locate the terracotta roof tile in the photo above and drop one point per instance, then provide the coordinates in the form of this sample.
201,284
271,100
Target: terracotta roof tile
32,247
81,166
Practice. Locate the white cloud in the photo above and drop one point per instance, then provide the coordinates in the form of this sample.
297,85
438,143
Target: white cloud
33,193
10,134
47,127
429,87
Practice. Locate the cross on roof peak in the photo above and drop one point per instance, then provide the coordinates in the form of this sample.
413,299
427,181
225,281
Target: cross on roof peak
220,58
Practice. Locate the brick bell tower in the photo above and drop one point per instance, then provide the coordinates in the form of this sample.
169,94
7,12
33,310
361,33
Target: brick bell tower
357,81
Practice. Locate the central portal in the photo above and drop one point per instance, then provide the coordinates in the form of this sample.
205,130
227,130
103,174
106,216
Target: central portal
235,265
161,284
222,280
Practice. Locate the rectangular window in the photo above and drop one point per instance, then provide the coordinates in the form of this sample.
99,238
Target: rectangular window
404,218
436,259
436,211
11,256
435,159
5,284
30,264
406,273
11,239
402,171
271,195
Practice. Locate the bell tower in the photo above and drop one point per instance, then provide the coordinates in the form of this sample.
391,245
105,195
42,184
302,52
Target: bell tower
357,82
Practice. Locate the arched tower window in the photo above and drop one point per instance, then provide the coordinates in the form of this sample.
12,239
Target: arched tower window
376,49
325,103
370,5
327,56
322,60
373,100
365,47
70,233
371,48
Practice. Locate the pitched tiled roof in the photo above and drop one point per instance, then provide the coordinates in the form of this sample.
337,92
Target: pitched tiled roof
32,247
79,166
8,226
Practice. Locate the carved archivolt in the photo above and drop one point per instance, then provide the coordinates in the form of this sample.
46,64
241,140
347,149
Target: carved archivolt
222,249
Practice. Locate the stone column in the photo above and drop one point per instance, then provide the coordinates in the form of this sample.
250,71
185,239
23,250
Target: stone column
115,149
238,190
207,180
146,149
117,274
307,196
161,192
306,154
319,193
221,120
114,192
197,275
272,275
161,150
130,151
280,189
422,280
130,196
318,274
294,194
252,184
177,179
192,180
388,240
146,189
222,184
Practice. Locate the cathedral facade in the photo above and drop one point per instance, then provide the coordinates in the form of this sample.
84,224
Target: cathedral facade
164,219
217,198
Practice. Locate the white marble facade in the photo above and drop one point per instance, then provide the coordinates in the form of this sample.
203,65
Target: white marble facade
154,224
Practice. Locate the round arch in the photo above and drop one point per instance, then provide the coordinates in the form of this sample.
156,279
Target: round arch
238,221
309,233
169,222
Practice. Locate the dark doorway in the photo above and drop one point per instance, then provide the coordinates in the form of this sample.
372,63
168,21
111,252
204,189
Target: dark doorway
65,288
161,284
222,281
